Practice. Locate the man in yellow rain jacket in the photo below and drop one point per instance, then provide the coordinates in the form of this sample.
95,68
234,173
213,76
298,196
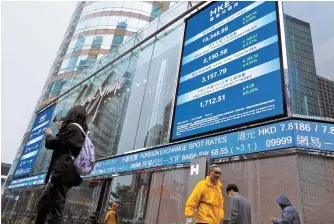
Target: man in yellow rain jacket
112,216
207,198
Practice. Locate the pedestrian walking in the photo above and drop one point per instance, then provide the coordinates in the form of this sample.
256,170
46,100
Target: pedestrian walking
207,199
112,215
289,213
240,207
62,174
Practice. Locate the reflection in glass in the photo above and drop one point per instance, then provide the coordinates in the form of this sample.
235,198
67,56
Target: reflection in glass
149,197
157,103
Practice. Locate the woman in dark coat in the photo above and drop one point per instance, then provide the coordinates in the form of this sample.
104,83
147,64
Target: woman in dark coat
61,175
289,213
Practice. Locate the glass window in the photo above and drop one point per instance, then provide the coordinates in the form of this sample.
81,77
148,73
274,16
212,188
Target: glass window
174,196
47,91
14,199
29,200
123,191
103,24
74,202
118,4
146,7
109,4
89,7
118,39
132,29
81,26
112,22
79,44
137,6
139,69
72,44
97,42
133,22
100,5
122,25
157,106
88,42
82,63
72,63
57,86
106,119
107,41
156,11
93,22
128,5
148,30
64,64
91,59
99,56
82,201
142,23
149,197
8,203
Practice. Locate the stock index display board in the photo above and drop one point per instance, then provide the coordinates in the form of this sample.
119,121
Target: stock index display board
231,68
34,142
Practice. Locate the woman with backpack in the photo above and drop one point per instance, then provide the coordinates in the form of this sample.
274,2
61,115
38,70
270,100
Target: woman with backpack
62,174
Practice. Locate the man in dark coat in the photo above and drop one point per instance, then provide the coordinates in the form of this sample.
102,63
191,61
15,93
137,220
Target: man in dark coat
240,207
289,213
61,175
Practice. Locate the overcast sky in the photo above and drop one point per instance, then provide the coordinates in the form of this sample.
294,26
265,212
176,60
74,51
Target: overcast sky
31,33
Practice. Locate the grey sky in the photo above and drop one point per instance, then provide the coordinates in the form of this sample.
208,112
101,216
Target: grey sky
32,32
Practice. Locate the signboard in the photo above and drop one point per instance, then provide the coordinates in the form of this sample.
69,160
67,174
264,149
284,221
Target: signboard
28,181
198,171
285,134
34,142
313,135
231,68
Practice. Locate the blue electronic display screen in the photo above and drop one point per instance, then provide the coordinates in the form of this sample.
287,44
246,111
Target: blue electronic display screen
33,145
304,135
286,134
231,70
28,181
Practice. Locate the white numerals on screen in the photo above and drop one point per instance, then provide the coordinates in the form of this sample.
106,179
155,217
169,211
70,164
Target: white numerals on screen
212,101
279,141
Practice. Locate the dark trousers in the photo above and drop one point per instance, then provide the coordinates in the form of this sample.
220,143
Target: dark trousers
52,203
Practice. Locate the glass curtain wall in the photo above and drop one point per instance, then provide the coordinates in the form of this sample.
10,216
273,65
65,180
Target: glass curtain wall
18,205
149,197
129,103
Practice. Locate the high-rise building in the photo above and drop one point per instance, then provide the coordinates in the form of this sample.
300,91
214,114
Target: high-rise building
130,98
95,29
303,79
154,136
326,90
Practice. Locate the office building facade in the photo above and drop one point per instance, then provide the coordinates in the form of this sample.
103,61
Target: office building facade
129,95
326,89
303,79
